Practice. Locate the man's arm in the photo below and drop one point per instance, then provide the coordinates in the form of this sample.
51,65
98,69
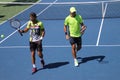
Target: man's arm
83,28
65,30
42,32
25,30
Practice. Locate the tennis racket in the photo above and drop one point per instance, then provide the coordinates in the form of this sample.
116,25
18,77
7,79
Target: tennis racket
15,23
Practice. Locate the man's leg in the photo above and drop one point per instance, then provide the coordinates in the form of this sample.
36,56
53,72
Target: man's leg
74,51
74,48
79,47
32,49
40,54
41,57
79,43
33,61
33,58
74,55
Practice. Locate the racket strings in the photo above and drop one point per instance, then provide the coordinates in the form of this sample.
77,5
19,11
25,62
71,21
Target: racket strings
15,24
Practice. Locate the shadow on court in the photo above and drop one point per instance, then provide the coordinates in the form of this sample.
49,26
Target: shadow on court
86,59
54,65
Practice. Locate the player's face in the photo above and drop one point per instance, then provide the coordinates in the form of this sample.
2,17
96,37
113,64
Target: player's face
32,18
73,14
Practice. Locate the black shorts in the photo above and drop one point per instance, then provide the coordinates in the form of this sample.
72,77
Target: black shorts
36,46
75,40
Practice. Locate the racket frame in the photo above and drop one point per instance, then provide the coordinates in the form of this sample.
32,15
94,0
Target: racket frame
11,20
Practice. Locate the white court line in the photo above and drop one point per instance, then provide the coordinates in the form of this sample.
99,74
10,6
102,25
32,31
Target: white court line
26,22
101,26
57,46
47,7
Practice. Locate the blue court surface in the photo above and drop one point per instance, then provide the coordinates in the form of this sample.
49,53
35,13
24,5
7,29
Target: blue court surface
98,58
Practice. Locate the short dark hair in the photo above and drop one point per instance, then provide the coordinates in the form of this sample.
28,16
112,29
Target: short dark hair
33,14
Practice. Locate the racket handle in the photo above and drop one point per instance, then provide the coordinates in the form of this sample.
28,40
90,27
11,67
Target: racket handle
20,33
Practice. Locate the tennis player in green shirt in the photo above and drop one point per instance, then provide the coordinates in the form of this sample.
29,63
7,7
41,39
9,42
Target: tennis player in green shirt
37,33
76,30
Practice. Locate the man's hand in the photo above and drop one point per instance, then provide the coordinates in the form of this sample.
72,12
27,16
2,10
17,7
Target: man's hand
67,37
83,29
21,31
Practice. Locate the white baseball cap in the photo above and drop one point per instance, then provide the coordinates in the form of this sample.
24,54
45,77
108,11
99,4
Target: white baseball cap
72,9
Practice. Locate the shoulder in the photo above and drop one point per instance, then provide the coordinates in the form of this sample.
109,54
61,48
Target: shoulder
79,16
68,17
29,22
39,22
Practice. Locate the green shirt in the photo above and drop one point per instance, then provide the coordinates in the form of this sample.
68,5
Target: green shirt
74,25
35,30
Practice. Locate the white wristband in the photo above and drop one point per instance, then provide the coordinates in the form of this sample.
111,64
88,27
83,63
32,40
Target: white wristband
41,38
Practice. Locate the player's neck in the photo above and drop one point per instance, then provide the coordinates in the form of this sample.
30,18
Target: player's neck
35,21
73,15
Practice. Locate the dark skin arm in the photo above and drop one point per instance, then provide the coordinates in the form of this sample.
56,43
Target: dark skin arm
83,28
65,30
27,29
43,32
